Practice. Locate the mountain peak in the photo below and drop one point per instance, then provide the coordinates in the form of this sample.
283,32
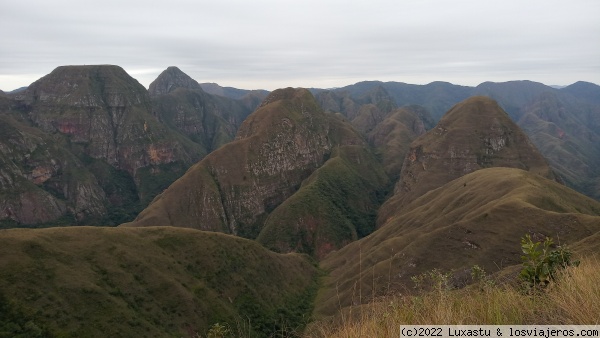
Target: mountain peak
171,79
474,134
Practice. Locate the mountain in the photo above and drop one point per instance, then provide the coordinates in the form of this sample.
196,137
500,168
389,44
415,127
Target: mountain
287,148
392,136
230,92
567,132
93,143
584,90
476,219
473,135
208,120
42,181
109,114
171,79
566,142
513,95
151,282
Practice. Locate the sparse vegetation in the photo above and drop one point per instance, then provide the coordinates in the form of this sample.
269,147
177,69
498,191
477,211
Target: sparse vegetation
573,299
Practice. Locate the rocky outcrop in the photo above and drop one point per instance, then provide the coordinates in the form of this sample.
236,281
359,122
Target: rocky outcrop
41,181
108,112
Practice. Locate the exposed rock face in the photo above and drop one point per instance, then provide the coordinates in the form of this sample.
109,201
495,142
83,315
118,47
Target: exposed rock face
288,149
171,79
277,147
40,181
474,134
105,109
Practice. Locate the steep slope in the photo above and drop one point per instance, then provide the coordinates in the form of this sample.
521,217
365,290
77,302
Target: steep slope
392,136
206,119
152,282
41,181
566,141
334,206
107,115
567,132
289,162
478,219
235,187
474,134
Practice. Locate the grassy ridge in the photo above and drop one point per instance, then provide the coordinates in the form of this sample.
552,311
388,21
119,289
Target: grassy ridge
150,282
476,219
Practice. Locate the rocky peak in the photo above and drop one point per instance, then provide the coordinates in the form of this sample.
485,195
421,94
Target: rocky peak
475,134
171,79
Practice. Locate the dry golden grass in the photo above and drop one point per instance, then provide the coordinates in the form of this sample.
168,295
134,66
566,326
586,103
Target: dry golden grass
573,299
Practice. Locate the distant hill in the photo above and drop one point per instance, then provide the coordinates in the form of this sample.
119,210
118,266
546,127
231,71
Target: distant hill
230,92
155,282
584,90
478,219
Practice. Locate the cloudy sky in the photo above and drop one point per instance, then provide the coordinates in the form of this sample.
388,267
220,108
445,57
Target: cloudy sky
306,43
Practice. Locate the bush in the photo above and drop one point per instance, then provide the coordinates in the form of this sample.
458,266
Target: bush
541,264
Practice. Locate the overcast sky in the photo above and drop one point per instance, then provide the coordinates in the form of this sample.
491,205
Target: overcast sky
306,43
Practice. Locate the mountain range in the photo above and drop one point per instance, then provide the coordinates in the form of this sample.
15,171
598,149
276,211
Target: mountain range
265,210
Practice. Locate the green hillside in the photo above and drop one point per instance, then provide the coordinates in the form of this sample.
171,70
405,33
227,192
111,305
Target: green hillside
150,282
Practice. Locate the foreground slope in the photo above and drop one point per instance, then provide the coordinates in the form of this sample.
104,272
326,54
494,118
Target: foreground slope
151,282
474,134
475,219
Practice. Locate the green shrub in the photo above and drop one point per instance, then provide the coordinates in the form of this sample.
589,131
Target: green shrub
541,264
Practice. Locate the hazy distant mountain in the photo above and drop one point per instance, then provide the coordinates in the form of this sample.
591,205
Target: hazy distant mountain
230,92
584,90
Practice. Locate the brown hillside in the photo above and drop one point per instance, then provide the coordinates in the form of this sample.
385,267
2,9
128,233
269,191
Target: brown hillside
478,219
473,135
392,136
235,187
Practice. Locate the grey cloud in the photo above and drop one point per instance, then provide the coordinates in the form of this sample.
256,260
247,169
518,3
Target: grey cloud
278,43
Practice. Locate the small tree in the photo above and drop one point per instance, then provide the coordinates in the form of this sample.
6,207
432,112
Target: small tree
541,264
